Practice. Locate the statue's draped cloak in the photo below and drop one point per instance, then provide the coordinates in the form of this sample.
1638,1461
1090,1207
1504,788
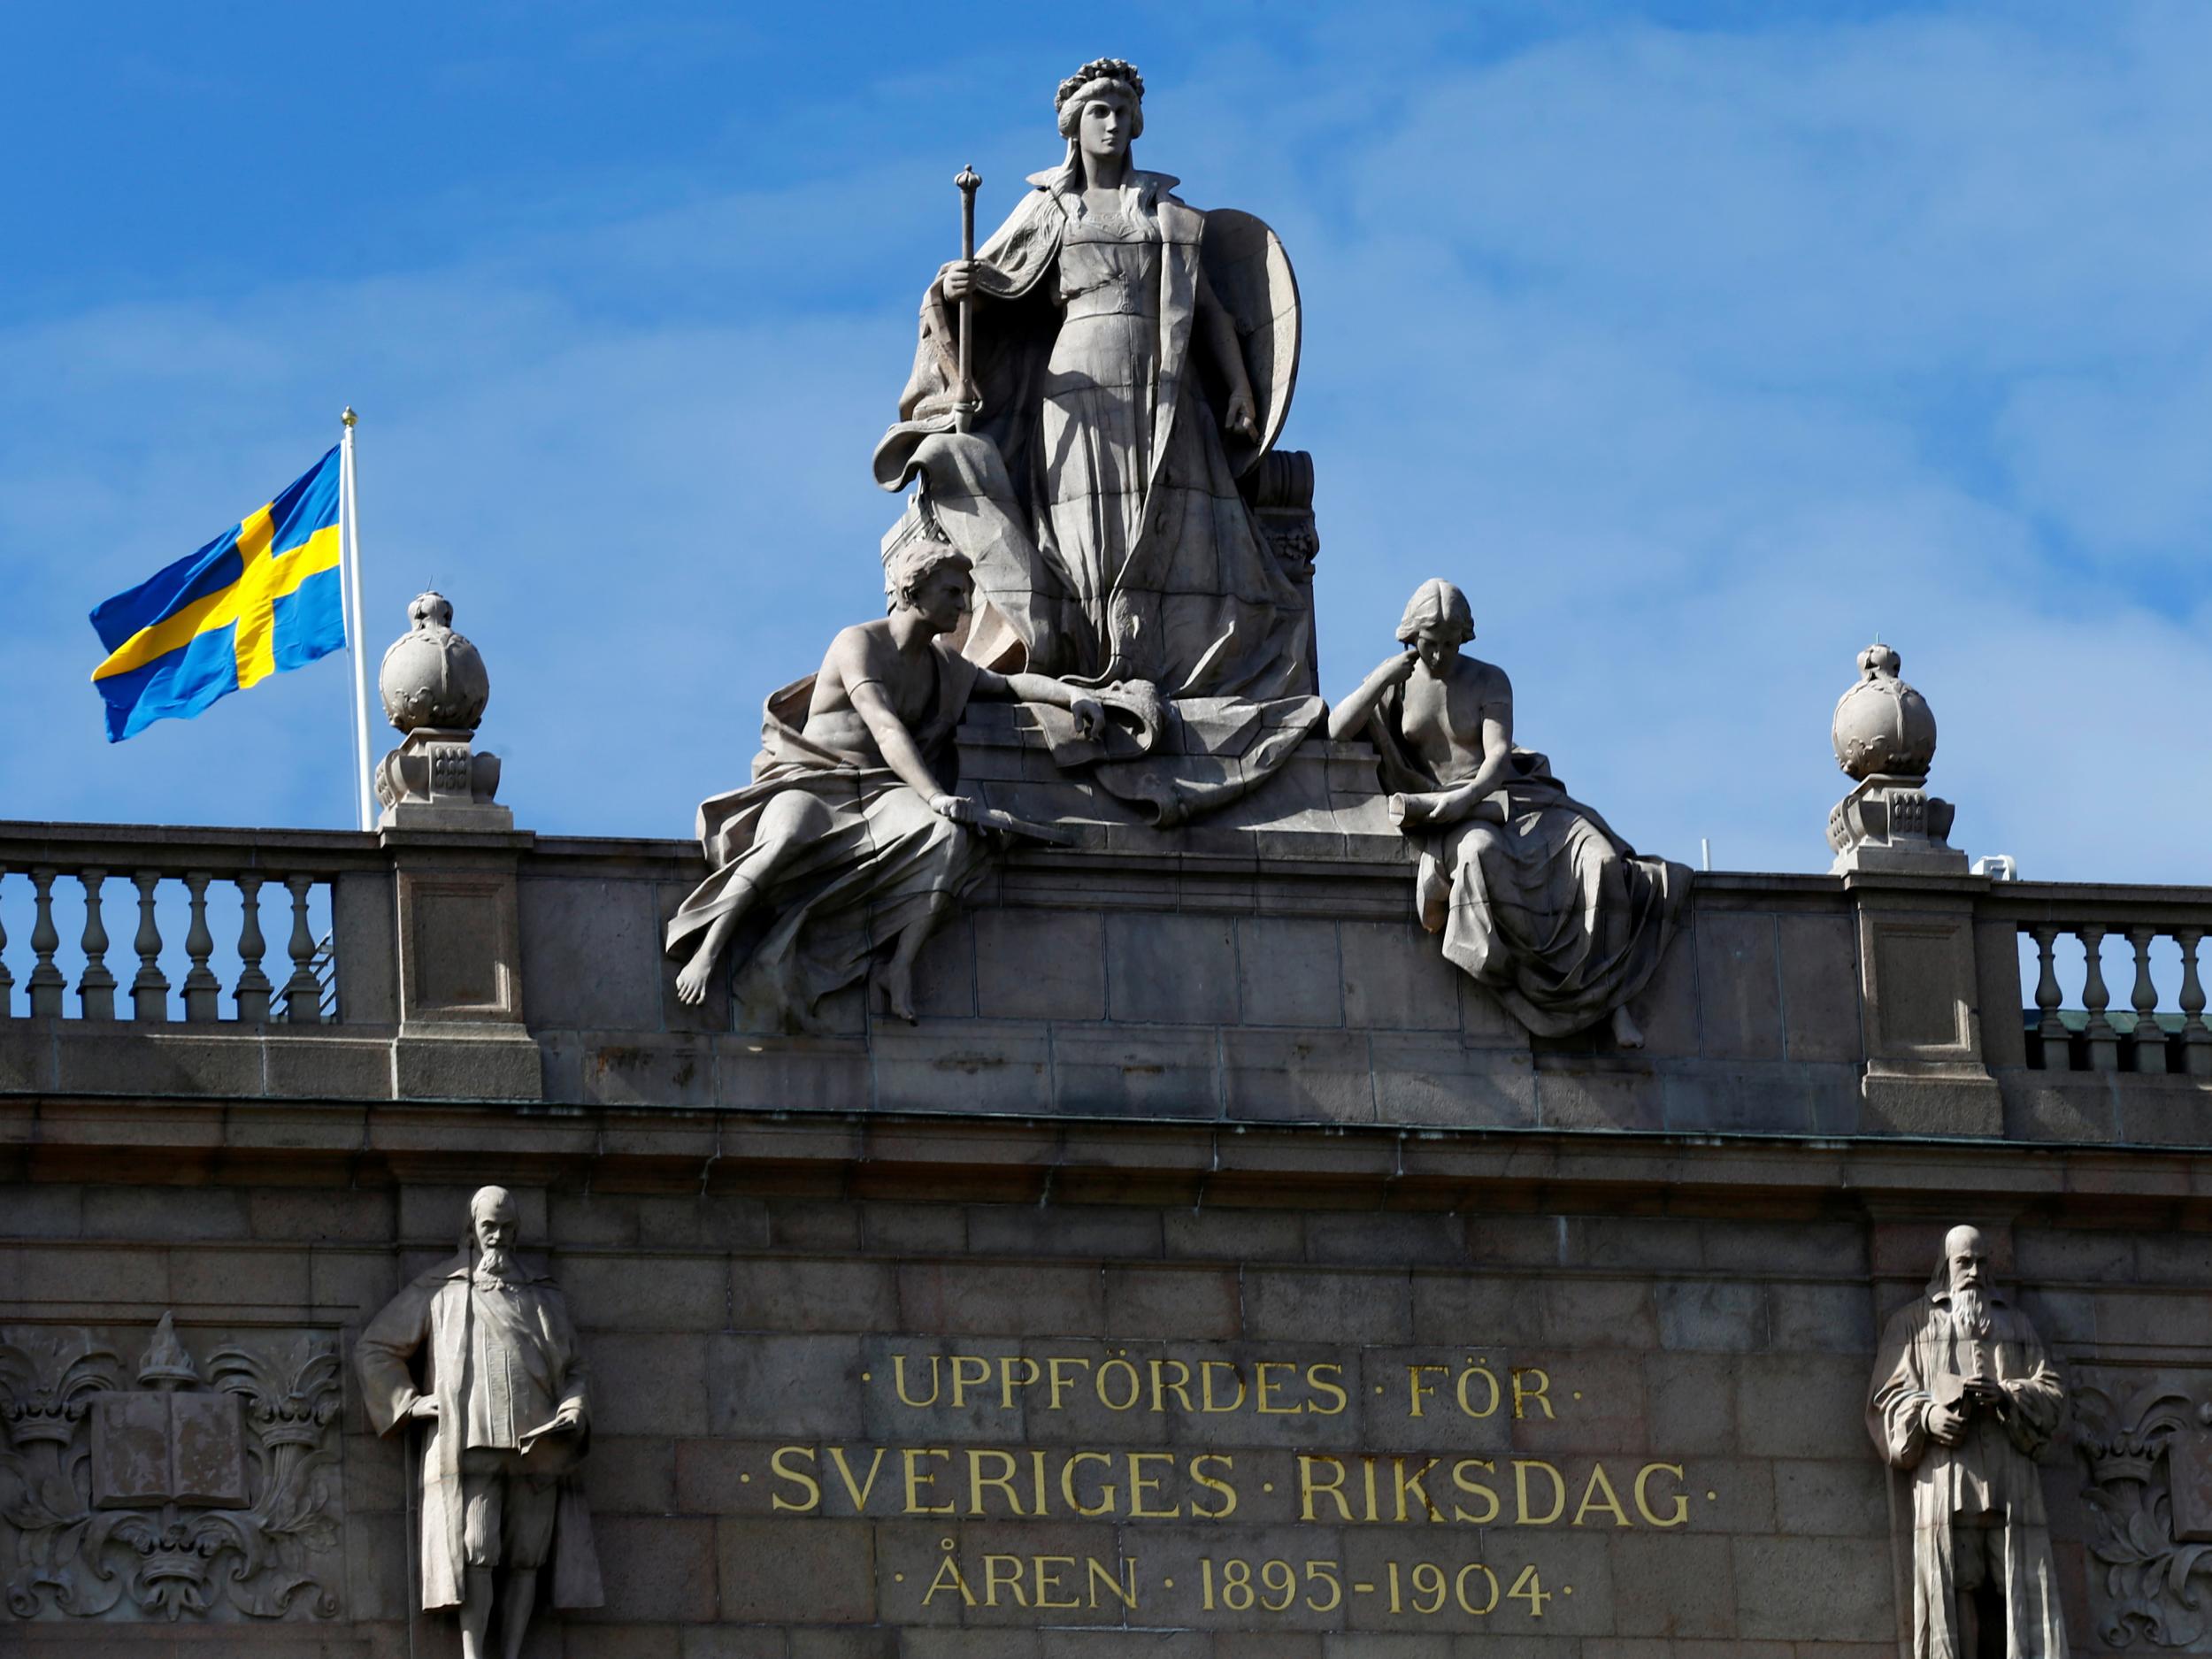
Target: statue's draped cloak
1991,1473
1526,918
432,1315
883,860
1094,496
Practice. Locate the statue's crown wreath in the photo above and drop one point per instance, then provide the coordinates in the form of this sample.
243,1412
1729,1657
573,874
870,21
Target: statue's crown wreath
1100,69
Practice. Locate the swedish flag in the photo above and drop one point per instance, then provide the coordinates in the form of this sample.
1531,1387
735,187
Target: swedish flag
256,600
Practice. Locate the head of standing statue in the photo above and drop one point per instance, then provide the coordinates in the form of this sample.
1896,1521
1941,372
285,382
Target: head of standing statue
495,1223
1963,1277
1100,110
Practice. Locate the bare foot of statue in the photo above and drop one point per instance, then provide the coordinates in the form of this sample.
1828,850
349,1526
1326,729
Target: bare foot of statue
1432,894
893,984
698,973
1625,1031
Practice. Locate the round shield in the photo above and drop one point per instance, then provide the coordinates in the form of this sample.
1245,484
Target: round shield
1251,277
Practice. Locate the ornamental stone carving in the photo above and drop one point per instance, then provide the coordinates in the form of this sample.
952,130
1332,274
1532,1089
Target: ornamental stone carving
2147,1448
1884,736
431,675
435,687
1963,1398
164,1490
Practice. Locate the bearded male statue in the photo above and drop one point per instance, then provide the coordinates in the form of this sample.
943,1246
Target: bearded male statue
1963,1399
503,1393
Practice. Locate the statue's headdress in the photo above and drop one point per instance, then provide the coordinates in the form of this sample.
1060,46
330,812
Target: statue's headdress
1098,75
1437,602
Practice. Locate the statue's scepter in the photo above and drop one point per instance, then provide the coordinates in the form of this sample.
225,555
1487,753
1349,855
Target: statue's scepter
964,415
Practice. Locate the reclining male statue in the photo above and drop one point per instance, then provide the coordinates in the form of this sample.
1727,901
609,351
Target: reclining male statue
1535,896
852,831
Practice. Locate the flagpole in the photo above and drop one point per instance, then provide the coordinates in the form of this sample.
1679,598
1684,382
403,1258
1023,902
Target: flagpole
349,529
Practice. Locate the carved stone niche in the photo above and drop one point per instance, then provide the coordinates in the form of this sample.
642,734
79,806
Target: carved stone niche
2145,1441
169,1489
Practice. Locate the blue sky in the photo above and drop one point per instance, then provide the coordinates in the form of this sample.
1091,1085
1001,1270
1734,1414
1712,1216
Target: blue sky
1697,341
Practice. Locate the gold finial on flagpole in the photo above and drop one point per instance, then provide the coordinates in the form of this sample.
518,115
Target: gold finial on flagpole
349,418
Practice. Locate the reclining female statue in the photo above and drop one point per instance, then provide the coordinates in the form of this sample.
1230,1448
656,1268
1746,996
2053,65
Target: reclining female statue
1535,896
851,832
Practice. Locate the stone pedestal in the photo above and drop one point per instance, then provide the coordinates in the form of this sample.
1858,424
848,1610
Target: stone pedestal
1925,1071
435,779
1890,822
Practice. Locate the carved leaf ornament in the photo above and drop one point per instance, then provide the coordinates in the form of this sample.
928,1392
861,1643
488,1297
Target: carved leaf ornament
184,1496
2150,1468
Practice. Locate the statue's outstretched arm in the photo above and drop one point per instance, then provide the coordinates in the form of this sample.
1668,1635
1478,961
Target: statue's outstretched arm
1090,714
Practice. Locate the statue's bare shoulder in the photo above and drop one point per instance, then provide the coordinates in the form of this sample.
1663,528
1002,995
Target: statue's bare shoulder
865,651
1473,676
1468,692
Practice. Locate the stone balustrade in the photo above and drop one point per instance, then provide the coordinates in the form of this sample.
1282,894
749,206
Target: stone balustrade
1117,980
2163,1029
149,893
306,993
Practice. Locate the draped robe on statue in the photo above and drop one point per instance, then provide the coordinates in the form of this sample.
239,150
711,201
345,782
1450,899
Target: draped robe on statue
437,1315
885,862
1094,496
1989,1480
1527,917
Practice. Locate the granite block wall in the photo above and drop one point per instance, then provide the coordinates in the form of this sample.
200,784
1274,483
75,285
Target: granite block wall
831,1421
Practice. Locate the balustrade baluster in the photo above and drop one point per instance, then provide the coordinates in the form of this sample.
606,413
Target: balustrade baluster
201,988
2196,1036
2150,1036
253,985
7,980
2104,1041
95,987
45,984
2050,1030
150,986
303,995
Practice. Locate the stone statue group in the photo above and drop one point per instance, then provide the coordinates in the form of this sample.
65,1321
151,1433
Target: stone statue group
1094,394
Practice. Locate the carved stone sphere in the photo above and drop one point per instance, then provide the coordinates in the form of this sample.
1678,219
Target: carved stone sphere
433,676
1882,725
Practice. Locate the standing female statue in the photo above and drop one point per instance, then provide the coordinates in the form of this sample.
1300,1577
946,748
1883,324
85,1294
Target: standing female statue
1095,482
